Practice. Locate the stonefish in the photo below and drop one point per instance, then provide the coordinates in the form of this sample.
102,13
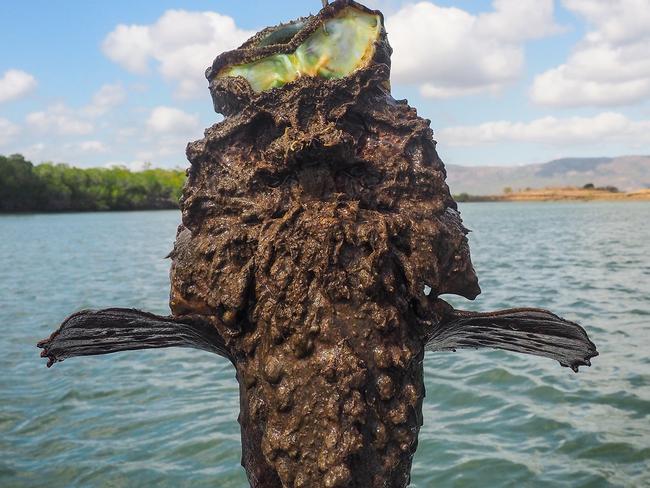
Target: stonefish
317,234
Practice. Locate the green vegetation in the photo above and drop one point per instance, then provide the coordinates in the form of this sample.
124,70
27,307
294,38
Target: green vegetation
466,197
608,188
59,187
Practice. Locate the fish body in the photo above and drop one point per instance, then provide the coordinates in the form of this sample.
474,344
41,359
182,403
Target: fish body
317,235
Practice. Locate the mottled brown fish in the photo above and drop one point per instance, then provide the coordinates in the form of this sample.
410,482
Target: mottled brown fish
317,234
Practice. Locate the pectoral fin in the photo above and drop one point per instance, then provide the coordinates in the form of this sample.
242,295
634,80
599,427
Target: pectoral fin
90,332
527,330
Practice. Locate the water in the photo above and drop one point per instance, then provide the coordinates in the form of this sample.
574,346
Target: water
491,418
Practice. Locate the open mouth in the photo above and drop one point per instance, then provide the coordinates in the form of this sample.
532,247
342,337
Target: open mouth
339,47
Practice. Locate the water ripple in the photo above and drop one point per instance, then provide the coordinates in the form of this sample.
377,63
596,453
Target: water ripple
491,418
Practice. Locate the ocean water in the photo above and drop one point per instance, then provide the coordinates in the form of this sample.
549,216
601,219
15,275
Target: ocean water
491,419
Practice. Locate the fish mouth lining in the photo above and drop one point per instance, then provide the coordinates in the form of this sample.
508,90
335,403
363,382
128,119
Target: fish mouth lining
341,45
282,34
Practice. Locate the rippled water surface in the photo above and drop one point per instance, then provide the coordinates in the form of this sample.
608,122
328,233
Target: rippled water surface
491,419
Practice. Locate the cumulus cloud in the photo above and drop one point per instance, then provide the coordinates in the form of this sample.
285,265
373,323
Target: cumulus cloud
610,66
36,151
15,84
136,165
449,52
605,127
92,146
130,46
170,120
181,43
59,119
107,97
8,131
167,132
80,152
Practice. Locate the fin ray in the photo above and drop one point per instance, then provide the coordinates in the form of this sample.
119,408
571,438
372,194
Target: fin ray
526,330
90,332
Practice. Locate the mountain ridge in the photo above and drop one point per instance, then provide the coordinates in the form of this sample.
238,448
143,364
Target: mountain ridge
627,173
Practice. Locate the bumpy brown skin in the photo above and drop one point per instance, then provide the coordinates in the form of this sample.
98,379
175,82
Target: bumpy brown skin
313,217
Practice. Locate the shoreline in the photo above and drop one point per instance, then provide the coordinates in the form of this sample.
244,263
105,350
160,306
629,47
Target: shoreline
97,211
544,195
559,195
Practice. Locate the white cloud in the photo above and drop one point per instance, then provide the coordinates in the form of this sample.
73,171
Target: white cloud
92,147
130,46
136,165
106,98
169,120
15,84
167,132
610,66
59,119
35,151
619,21
607,127
78,153
7,131
449,52
182,43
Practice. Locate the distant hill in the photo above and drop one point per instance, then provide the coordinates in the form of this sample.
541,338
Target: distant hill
626,173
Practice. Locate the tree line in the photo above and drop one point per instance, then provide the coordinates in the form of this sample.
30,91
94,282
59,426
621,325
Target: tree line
49,187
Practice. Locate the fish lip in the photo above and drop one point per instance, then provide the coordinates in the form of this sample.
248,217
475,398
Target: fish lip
230,95
250,50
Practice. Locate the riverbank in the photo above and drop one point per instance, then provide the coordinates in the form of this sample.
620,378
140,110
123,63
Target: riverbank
558,194
48,187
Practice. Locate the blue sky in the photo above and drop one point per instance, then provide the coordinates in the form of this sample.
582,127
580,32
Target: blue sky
503,82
